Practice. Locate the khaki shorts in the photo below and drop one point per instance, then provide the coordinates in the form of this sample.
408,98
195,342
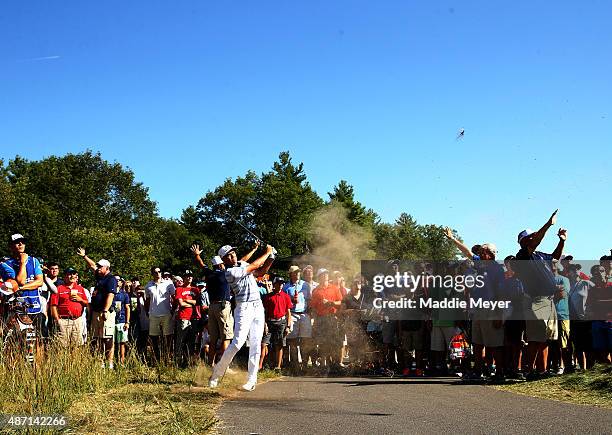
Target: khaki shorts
101,328
220,322
485,334
564,333
70,332
161,324
541,323
302,326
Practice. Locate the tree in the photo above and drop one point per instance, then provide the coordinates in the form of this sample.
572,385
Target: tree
344,194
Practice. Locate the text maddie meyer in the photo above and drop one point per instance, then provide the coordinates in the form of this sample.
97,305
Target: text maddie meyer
448,303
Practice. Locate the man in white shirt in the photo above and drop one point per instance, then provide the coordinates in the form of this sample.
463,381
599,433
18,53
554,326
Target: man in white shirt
249,317
158,306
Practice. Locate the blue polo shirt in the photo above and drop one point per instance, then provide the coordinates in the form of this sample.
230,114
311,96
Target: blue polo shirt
535,271
562,304
303,291
216,285
121,303
105,285
9,270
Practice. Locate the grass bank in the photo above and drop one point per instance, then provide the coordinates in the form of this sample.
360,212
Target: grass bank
591,387
130,399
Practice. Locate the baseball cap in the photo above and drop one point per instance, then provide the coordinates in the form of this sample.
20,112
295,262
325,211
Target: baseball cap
226,249
188,273
103,263
294,268
178,278
200,284
321,271
69,270
567,257
278,279
16,237
524,233
216,260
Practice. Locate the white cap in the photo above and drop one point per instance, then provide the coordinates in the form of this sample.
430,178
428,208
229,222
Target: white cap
524,233
103,263
225,250
216,260
322,271
16,237
178,278
490,247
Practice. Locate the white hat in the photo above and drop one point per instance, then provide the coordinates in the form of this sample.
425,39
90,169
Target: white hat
103,263
216,260
294,268
225,250
16,237
322,271
524,233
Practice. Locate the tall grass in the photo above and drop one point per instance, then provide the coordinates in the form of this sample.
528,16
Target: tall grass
58,377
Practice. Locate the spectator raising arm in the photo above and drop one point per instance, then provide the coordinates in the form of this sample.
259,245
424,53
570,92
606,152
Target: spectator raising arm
534,240
89,261
460,245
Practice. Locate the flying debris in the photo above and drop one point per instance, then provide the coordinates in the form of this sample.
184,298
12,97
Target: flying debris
460,133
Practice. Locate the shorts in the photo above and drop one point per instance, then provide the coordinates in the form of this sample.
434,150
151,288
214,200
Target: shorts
101,328
389,332
541,323
486,334
220,322
326,331
514,331
602,335
121,336
580,335
564,333
70,331
412,340
302,326
159,325
276,329
441,337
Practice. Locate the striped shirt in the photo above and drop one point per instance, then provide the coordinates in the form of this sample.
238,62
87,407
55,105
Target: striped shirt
243,284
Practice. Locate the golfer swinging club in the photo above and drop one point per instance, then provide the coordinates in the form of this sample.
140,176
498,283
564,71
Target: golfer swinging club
249,318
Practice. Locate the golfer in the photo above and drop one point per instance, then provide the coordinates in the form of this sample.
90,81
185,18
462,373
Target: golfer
249,317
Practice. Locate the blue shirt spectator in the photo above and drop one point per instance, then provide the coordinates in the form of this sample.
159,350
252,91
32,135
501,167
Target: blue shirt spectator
121,303
9,270
303,292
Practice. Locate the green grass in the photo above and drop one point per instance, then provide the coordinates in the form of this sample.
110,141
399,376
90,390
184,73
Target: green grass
130,399
591,387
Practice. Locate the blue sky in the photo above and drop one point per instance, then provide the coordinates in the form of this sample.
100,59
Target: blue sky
189,94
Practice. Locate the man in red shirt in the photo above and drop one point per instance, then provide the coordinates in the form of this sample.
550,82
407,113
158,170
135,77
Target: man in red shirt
325,302
277,306
67,307
187,297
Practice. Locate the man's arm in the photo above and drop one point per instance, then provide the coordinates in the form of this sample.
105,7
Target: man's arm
537,238
249,254
109,301
460,245
89,261
197,252
260,262
50,284
562,234
54,313
22,274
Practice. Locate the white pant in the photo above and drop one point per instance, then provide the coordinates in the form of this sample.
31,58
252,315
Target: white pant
249,321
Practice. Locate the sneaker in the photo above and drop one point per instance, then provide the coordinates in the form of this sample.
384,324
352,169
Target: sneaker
560,371
213,383
419,373
248,387
406,372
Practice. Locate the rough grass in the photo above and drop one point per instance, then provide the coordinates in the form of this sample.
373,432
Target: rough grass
591,387
131,399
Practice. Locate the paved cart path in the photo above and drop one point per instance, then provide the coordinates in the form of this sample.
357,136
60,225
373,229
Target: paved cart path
392,406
